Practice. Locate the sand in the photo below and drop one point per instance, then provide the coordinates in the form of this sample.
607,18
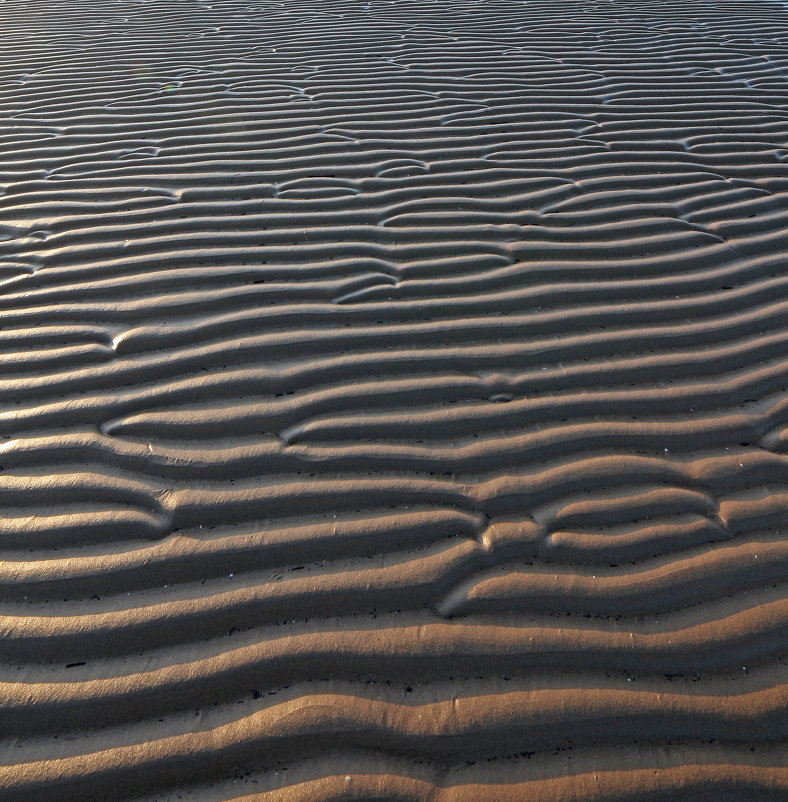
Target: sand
393,400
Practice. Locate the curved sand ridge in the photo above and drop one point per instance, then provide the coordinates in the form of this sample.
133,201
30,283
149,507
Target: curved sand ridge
393,400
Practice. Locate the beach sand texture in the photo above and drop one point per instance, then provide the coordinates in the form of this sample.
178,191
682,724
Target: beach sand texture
393,400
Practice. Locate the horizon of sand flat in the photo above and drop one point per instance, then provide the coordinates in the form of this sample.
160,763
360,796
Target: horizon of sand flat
393,400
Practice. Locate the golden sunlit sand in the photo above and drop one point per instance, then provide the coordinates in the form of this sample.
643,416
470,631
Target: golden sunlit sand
393,400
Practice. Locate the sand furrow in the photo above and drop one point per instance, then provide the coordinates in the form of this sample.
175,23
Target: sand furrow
437,580
717,780
122,687
510,721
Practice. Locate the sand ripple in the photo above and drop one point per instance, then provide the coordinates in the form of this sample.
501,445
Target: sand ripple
393,400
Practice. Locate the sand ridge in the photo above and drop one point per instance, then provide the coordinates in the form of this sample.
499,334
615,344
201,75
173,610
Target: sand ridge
393,400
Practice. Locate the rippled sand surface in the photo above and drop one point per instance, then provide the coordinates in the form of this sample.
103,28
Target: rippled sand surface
393,400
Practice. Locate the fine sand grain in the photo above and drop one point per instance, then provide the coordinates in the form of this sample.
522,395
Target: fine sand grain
393,400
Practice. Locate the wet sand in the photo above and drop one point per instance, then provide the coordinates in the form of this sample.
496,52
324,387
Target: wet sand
393,400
